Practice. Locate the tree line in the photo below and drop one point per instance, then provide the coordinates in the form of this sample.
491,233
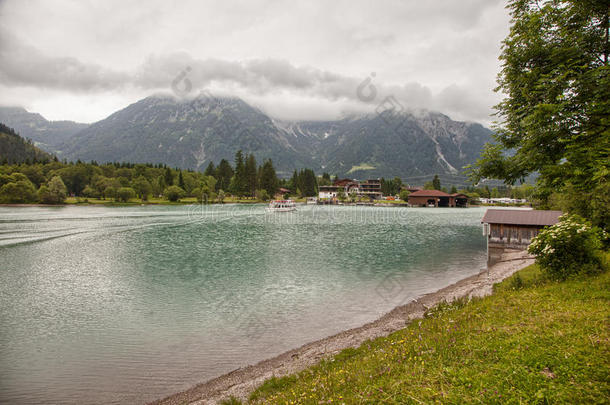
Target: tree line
52,181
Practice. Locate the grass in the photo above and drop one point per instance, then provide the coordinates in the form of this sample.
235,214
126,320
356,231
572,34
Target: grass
532,341
362,166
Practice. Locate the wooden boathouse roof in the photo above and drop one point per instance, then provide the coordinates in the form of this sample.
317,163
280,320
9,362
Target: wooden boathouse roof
521,217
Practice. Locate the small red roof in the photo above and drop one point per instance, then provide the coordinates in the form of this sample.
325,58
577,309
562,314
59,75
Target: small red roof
429,193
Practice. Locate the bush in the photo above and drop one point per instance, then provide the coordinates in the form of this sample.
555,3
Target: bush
90,192
54,192
20,191
125,194
570,247
404,195
173,193
262,195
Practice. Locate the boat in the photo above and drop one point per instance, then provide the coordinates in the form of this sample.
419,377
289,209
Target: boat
281,206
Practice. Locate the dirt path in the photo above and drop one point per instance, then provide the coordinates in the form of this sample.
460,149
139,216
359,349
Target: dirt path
241,382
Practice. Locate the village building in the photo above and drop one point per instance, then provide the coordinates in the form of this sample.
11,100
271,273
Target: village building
371,188
437,198
512,230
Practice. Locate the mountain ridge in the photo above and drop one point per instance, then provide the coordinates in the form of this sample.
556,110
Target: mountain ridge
191,133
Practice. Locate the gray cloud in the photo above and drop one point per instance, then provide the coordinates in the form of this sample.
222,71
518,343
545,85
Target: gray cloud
438,55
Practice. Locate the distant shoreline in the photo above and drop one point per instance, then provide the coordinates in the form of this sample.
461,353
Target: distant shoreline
242,381
177,203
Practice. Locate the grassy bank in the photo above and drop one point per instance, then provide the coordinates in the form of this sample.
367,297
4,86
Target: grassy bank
533,341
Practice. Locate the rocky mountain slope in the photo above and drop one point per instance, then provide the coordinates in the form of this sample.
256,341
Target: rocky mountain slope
191,133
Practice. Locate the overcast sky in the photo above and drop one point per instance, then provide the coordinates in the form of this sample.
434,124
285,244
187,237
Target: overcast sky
82,60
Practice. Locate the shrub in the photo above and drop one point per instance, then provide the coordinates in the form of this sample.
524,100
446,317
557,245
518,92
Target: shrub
125,194
262,195
54,192
569,247
21,191
173,193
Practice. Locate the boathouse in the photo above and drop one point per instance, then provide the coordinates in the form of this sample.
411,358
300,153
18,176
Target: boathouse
437,198
513,229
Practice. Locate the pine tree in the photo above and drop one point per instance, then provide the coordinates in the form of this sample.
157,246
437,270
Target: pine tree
210,170
224,173
169,177
240,180
269,181
436,182
251,175
181,181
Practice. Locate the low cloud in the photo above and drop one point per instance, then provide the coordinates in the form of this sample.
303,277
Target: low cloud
436,56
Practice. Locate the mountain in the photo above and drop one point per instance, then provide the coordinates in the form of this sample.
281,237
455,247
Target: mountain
190,134
405,145
186,134
47,135
15,149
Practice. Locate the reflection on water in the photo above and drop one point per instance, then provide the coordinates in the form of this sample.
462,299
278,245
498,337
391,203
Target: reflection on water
125,305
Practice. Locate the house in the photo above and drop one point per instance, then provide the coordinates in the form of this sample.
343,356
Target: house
513,229
371,188
437,198
280,193
328,192
347,186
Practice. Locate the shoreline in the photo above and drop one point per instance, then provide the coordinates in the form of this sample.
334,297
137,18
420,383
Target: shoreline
242,381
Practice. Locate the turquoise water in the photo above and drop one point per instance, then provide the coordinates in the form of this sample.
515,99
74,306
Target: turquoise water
126,305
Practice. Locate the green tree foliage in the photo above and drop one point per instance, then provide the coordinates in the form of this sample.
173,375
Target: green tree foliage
404,195
268,181
224,173
304,182
124,194
142,187
15,149
251,175
555,118
239,182
262,195
436,182
169,177
571,246
181,180
17,189
55,192
92,180
391,187
221,196
210,170
88,192
173,193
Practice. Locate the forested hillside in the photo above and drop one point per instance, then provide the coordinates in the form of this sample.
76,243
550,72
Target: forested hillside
15,149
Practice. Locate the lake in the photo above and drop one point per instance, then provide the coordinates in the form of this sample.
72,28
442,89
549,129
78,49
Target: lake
129,304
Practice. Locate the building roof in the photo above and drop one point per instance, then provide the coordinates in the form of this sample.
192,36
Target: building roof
521,217
344,182
429,193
